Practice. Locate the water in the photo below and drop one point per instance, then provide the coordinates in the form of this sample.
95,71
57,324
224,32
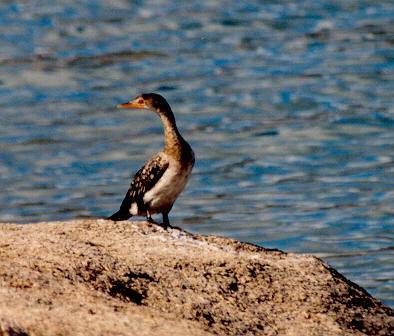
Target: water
288,105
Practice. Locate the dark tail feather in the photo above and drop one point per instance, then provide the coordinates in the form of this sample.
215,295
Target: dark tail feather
119,216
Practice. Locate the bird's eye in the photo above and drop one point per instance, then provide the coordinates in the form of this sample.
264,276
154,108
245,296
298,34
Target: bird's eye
140,101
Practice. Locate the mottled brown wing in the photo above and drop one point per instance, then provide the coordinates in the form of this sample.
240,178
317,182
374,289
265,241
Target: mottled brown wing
143,181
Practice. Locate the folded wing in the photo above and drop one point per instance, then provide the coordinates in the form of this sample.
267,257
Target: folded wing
143,181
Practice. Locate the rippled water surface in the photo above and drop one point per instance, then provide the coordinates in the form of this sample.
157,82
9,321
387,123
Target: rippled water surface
288,104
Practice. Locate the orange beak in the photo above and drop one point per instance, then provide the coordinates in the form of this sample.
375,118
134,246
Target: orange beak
132,105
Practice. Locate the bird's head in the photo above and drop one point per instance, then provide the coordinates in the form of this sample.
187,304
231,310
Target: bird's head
148,101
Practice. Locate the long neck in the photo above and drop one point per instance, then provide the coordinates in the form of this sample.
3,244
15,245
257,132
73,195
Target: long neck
172,137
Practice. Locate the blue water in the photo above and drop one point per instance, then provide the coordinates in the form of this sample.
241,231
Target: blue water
288,104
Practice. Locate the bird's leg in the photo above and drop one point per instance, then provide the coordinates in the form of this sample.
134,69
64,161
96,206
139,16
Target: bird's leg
149,218
166,222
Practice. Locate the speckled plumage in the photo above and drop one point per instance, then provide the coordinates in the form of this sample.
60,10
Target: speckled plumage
142,182
158,183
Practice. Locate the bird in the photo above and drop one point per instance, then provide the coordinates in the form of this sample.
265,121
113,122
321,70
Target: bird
158,183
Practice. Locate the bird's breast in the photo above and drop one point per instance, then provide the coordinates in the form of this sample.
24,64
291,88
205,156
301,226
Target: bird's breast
163,195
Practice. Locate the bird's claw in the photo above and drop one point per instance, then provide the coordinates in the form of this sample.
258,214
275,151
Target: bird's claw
165,226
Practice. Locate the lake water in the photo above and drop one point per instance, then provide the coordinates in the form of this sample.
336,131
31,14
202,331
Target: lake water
288,105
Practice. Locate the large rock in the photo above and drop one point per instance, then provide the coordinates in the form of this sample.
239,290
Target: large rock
96,277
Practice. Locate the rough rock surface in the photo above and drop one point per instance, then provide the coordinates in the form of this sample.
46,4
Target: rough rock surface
96,277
